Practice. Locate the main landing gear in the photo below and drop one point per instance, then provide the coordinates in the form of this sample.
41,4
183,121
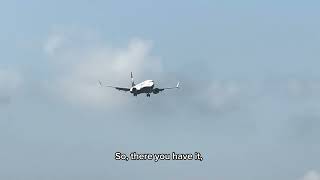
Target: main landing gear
148,95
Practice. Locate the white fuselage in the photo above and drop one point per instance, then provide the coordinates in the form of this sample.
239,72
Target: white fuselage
144,87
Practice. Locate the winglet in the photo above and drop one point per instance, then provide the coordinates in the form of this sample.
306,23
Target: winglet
178,85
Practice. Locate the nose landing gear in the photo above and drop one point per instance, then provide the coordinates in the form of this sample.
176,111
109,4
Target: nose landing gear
148,95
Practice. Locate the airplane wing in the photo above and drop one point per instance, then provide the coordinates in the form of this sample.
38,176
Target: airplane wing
157,90
177,87
118,88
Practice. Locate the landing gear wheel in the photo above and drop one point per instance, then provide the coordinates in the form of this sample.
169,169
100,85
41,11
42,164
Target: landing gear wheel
148,95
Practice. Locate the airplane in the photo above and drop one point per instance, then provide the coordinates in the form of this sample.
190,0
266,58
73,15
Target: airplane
146,86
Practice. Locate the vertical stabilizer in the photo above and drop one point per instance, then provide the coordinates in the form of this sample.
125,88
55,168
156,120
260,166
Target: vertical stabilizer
132,80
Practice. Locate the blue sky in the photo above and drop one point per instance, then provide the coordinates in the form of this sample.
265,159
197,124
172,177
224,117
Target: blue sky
248,103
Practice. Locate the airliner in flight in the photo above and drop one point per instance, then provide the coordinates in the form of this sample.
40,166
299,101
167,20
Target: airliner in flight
146,87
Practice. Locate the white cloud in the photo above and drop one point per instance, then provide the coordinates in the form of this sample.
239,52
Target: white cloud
10,81
223,93
304,88
311,175
53,43
79,68
83,67
226,95
62,39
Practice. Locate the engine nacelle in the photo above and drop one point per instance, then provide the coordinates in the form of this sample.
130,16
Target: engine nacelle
133,89
156,91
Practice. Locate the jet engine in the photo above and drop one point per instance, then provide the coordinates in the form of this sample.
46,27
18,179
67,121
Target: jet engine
156,91
133,89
